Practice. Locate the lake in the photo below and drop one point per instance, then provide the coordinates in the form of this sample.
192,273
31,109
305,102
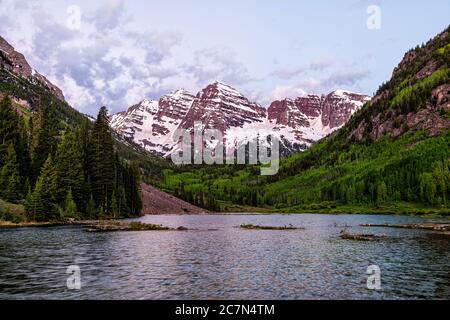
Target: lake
216,260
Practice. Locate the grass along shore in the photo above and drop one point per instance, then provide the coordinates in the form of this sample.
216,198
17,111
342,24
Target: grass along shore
396,208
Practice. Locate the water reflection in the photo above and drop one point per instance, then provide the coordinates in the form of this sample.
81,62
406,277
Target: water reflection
219,261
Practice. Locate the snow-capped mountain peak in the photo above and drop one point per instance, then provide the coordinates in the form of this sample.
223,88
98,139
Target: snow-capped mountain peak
220,106
295,122
351,97
149,105
151,123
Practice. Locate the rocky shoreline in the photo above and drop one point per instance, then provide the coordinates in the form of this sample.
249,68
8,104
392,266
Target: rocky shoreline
440,227
94,225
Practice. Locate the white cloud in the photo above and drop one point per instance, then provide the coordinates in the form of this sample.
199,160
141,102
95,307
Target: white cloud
288,73
283,92
77,94
108,16
338,80
217,64
320,64
106,62
310,85
293,72
347,78
114,61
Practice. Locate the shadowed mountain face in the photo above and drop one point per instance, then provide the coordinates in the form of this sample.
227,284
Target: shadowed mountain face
296,123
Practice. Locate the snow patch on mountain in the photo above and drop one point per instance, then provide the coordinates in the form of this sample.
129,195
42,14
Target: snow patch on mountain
297,123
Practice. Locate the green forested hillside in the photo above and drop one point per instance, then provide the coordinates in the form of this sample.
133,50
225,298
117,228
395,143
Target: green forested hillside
57,164
393,155
35,96
58,171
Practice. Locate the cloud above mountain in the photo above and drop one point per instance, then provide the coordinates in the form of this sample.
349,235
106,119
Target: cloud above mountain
217,63
125,51
109,62
292,72
310,84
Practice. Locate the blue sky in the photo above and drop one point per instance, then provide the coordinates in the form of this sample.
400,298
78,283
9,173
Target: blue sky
125,51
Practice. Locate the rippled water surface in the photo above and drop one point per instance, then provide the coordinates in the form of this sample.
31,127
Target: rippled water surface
219,261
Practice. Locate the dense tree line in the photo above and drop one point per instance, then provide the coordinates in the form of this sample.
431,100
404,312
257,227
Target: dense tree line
200,198
342,170
414,169
59,171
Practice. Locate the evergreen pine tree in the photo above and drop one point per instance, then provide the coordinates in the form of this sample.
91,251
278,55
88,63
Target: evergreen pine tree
27,186
10,186
34,204
82,137
381,192
69,169
23,155
44,137
122,201
136,199
29,203
70,208
91,209
42,202
101,162
9,127
114,206
13,131
30,131
132,190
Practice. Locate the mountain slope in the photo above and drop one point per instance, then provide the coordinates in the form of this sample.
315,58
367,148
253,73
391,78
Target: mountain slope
30,93
221,107
158,202
16,63
393,155
296,123
310,118
151,124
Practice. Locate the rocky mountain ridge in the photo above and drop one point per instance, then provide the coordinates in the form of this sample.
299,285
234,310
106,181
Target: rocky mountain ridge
297,123
16,63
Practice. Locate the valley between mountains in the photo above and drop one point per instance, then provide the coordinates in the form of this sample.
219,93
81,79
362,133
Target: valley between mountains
343,152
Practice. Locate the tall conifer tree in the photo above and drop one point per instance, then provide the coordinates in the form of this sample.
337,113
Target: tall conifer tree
41,205
44,137
69,169
9,128
10,185
101,162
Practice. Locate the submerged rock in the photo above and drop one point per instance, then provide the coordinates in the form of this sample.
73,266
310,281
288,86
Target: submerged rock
361,237
443,227
111,226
